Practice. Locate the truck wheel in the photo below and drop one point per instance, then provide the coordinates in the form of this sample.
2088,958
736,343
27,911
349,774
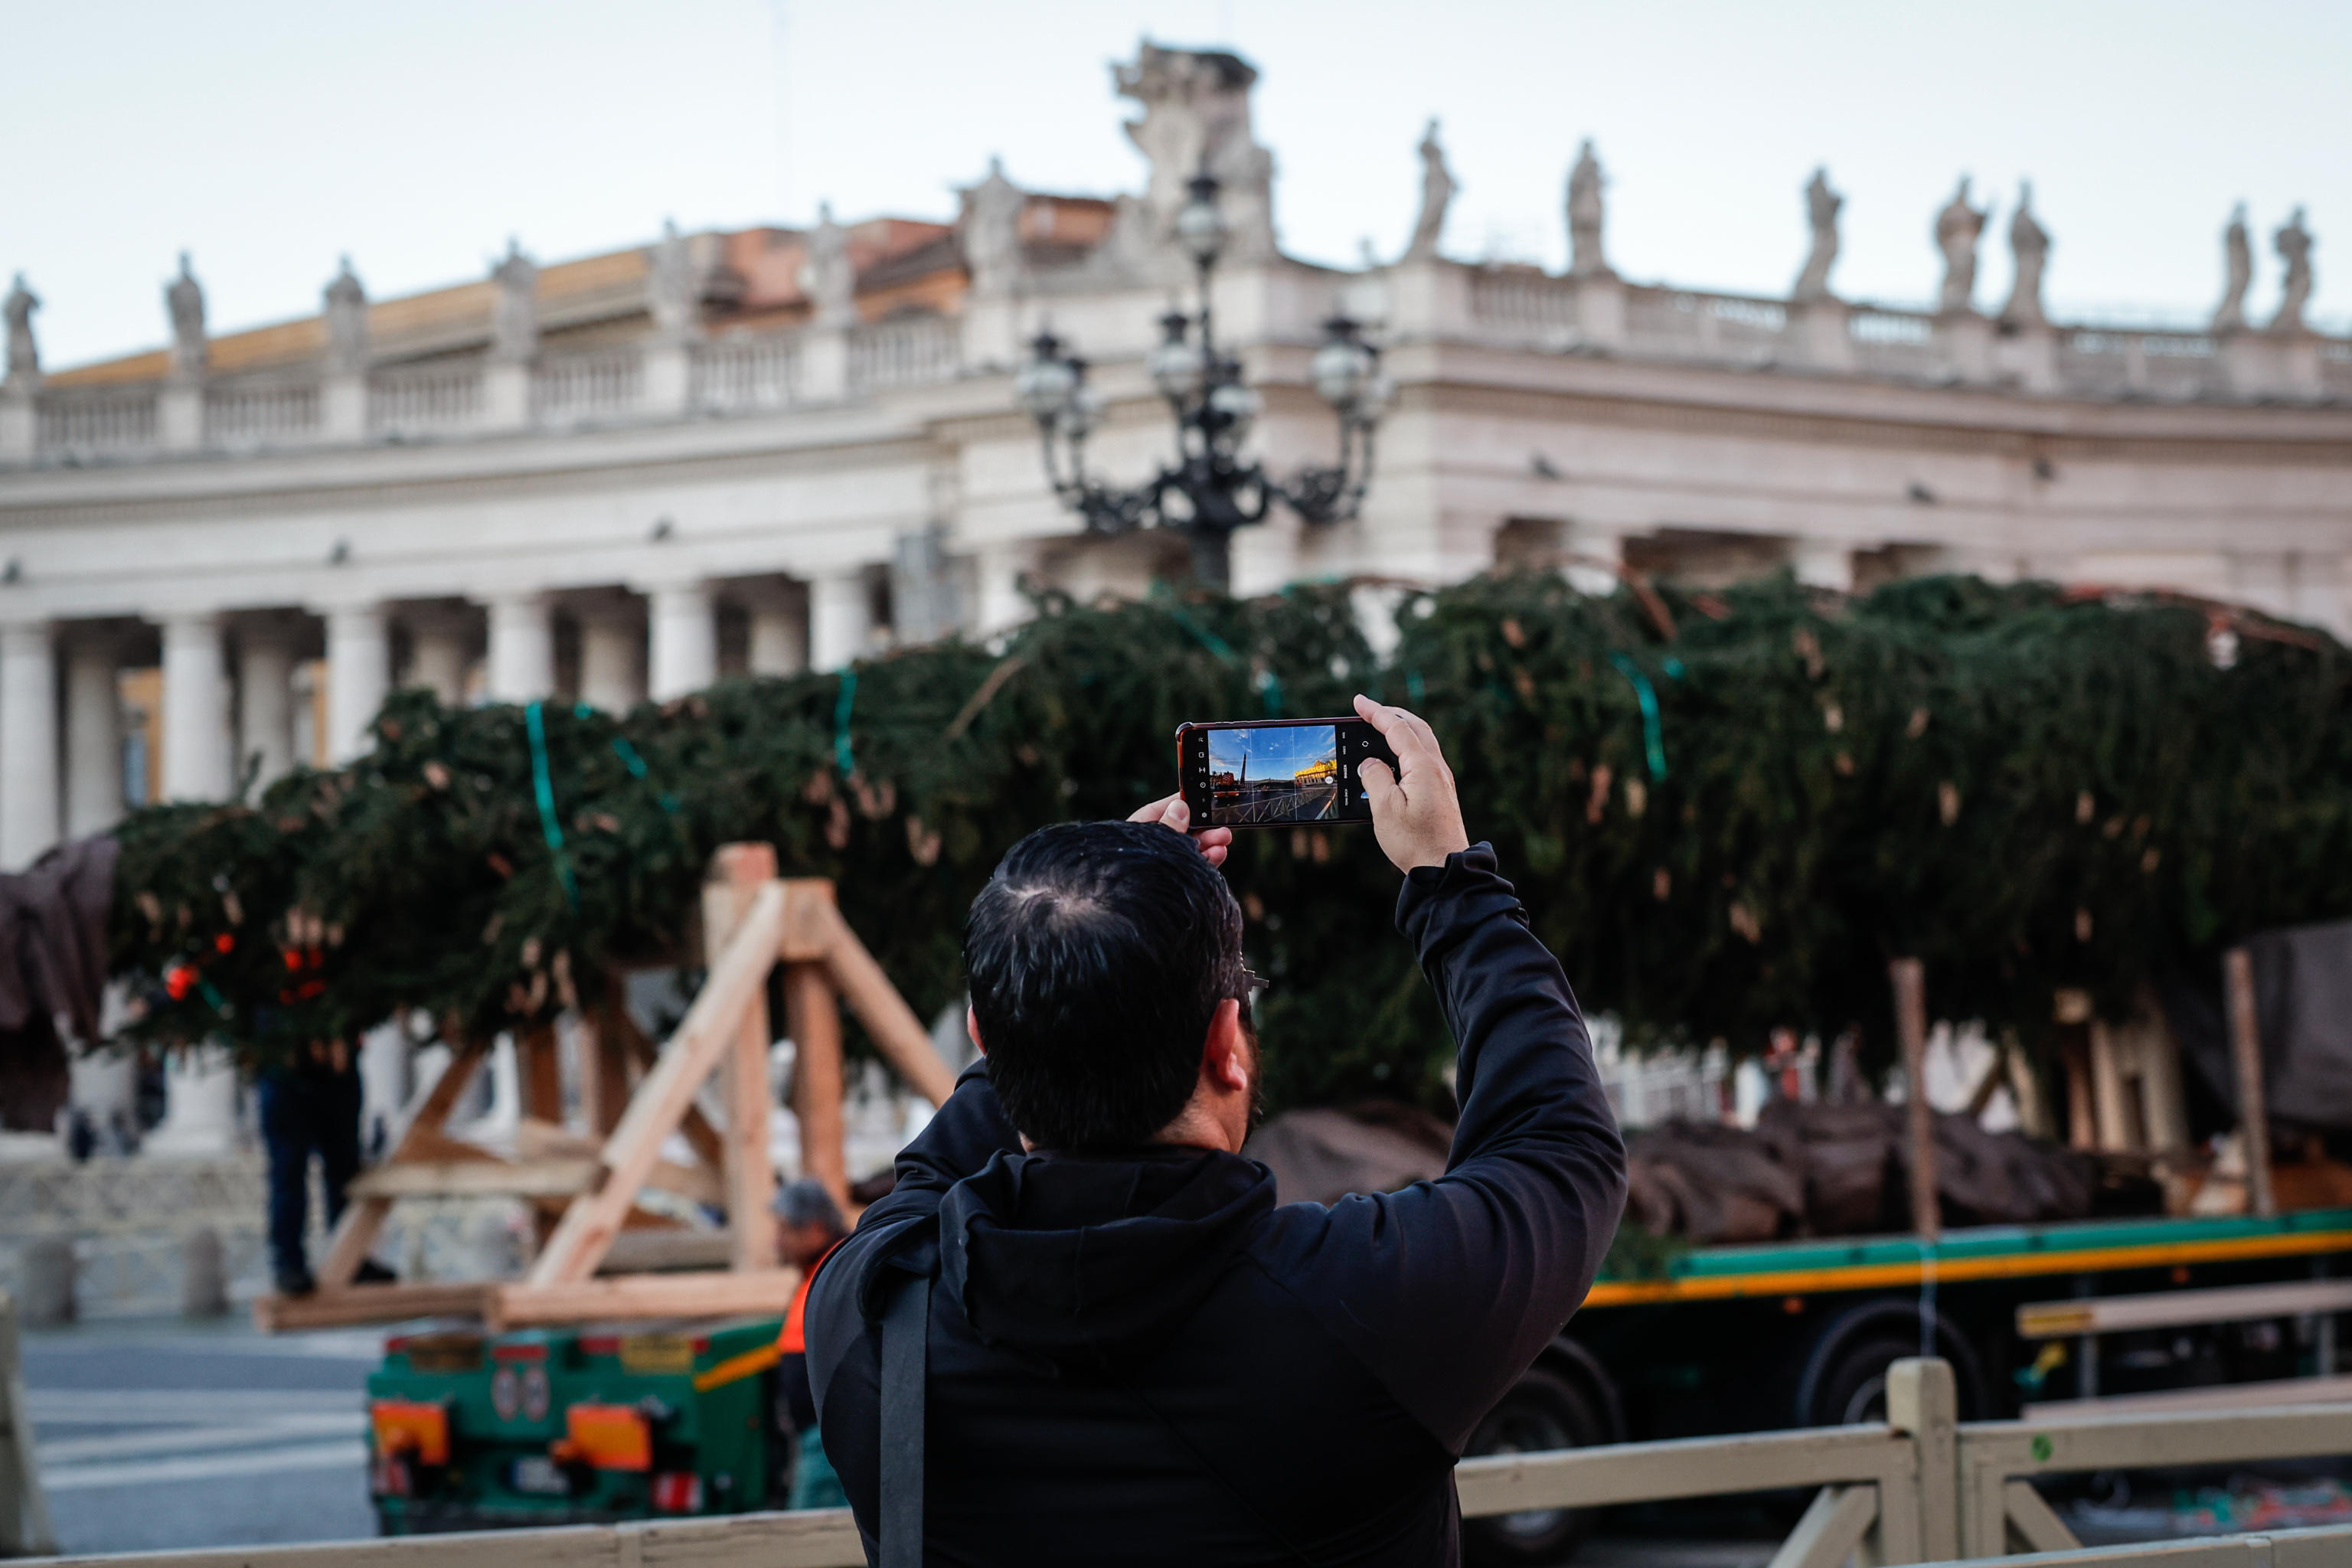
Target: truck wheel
1543,1411
1844,1380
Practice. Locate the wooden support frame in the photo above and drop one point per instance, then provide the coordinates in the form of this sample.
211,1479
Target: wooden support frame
2246,1052
590,1185
1910,984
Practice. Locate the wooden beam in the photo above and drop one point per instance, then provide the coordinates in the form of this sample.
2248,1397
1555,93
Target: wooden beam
708,1295
737,873
1911,1027
540,1140
604,1060
477,1179
542,1072
709,1146
900,1036
355,1304
362,1221
710,1026
813,1016
2246,1051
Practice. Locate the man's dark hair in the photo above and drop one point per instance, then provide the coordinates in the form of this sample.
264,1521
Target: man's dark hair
1098,955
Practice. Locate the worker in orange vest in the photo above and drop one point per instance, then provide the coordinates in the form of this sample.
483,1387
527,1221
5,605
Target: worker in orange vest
808,1226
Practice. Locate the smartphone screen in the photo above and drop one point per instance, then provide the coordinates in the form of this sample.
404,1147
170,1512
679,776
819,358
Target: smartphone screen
1278,772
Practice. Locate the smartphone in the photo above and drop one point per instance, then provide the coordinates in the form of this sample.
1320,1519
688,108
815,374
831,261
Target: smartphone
1274,772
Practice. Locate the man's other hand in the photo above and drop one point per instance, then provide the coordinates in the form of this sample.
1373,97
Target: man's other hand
1170,811
1415,813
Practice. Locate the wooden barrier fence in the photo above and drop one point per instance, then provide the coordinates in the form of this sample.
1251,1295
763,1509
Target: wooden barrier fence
1923,1488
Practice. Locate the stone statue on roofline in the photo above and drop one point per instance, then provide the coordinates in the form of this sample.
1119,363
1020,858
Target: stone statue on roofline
988,228
1585,258
827,277
514,315
1196,116
2292,242
2238,274
2029,244
345,307
1956,228
1821,207
183,300
1437,188
24,354
673,285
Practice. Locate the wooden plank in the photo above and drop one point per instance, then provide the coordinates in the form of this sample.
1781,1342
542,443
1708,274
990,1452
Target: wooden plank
604,1061
355,1304
573,1546
1923,1403
2269,1394
2178,1309
672,1249
541,1069
898,1033
813,1017
2109,1090
2035,1522
1911,1025
814,1538
540,1140
588,1227
2246,1052
812,920
737,872
1833,1524
1680,1467
362,1221
2148,1440
711,1295
478,1179
709,1146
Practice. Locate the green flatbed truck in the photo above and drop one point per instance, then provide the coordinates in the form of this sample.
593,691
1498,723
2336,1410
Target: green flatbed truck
1801,1334
471,1431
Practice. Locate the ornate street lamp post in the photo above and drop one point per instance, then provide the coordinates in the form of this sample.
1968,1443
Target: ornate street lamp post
1211,489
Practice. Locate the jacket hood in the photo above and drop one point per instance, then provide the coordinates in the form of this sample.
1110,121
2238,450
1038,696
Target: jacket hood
1083,1258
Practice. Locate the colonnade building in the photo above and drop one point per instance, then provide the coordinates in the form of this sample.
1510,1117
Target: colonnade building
623,476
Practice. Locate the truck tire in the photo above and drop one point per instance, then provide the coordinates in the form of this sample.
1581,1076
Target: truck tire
1543,1410
1845,1379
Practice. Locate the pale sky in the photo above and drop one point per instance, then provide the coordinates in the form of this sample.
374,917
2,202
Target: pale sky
267,136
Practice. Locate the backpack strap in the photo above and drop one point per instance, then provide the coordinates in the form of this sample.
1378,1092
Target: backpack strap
906,1332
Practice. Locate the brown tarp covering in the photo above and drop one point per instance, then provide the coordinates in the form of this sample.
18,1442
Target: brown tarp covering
1840,1170
53,937
1320,1156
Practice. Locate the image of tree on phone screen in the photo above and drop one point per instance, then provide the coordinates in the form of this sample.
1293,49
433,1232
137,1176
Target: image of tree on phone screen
1284,775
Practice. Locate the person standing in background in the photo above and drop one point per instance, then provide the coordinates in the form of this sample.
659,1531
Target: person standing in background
808,1226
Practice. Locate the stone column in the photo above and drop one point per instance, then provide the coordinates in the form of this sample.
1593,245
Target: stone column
2033,353
359,675
825,366
522,649
199,1105
93,739
28,744
681,640
1596,551
840,613
1822,336
1964,344
1823,564
1429,299
436,656
998,604
385,1054
1601,310
19,423
195,710
779,636
265,704
612,660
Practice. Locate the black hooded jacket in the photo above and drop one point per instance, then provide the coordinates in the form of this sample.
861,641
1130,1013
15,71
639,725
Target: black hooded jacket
1139,1358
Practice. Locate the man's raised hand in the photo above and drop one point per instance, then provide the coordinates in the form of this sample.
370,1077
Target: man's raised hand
1170,811
1415,813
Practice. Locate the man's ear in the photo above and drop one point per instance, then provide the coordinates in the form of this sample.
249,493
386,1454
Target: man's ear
1225,1063
972,1027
